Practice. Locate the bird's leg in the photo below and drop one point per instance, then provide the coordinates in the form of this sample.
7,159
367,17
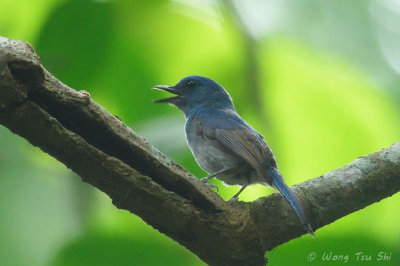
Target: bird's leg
236,196
205,179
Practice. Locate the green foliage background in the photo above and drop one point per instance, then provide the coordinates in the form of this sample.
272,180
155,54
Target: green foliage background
321,107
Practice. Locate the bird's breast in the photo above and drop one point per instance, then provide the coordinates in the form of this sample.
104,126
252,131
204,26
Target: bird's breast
208,155
213,156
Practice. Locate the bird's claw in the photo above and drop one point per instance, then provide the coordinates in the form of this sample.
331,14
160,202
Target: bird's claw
234,198
213,186
204,180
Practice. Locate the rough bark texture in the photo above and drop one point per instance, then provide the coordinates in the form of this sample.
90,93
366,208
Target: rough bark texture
107,154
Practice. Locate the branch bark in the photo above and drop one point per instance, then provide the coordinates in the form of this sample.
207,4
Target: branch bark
107,154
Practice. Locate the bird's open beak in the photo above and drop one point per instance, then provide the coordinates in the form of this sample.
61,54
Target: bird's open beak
170,89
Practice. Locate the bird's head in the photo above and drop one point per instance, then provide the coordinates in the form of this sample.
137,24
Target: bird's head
194,92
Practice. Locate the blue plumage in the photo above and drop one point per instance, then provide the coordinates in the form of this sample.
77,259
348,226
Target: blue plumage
222,143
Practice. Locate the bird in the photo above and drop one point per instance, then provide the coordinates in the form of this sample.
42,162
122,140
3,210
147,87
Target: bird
222,143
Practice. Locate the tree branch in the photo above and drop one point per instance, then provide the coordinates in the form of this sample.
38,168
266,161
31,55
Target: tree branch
107,154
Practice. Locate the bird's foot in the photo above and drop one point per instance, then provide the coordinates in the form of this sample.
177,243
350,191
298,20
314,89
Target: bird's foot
213,186
205,179
234,199
236,196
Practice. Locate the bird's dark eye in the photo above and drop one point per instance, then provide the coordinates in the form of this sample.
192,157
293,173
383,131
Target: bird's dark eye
191,84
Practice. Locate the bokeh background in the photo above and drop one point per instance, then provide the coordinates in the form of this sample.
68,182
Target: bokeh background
319,79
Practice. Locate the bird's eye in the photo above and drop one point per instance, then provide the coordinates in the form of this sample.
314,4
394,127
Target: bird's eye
191,84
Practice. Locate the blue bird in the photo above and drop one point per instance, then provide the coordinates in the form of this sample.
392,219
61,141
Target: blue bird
223,144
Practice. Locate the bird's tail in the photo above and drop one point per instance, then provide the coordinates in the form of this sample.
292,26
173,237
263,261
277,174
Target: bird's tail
280,184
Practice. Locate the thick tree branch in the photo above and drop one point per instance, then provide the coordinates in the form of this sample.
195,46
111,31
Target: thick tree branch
105,153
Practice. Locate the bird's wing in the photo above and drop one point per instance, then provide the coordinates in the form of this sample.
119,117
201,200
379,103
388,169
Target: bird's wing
229,129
